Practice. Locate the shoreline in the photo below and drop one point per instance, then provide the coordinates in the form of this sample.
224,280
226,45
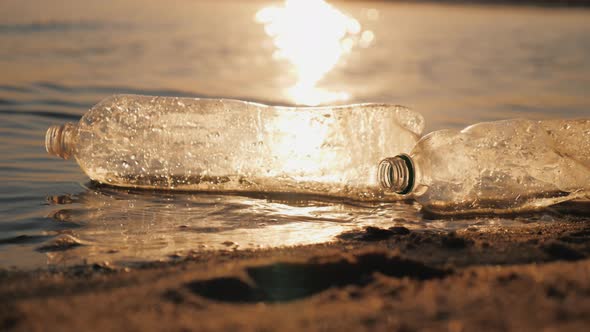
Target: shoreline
515,278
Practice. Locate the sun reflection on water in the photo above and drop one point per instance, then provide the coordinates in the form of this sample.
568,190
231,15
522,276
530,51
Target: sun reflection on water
313,36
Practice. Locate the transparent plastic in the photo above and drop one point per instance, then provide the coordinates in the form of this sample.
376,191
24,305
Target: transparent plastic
228,145
495,167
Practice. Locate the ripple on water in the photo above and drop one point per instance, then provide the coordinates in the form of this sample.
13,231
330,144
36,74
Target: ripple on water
101,223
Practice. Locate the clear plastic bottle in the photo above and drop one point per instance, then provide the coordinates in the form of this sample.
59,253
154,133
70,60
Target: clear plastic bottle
495,167
229,145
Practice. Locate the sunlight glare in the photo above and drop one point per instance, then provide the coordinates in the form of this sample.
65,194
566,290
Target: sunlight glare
313,36
299,148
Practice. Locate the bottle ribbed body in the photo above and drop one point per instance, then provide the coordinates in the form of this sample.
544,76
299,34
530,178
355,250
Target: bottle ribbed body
228,145
502,167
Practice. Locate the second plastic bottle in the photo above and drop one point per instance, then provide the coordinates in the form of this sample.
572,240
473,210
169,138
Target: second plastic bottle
495,167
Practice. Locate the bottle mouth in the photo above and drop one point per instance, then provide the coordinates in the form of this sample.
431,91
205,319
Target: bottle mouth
58,140
397,174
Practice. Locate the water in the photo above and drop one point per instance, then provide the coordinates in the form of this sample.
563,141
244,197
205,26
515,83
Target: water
455,64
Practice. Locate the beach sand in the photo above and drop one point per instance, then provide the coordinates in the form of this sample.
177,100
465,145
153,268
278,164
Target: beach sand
520,278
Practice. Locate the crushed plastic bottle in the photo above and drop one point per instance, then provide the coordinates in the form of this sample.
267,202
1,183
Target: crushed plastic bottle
495,167
228,145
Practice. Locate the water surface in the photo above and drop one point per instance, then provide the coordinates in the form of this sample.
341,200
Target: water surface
456,65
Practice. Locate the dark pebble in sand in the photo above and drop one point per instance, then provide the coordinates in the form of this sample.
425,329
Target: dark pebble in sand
371,233
103,267
61,243
399,230
376,233
452,241
507,278
9,321
562,251
88,270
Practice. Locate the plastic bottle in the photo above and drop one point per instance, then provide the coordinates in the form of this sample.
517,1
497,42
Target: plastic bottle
229,145
495,167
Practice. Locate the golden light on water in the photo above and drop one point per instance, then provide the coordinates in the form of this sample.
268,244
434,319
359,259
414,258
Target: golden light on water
313,36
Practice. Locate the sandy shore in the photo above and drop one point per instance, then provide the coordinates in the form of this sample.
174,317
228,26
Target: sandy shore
519,278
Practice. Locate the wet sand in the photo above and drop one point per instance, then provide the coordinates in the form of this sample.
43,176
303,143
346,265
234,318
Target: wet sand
519,278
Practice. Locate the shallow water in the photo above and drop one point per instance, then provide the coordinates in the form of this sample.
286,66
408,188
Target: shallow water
455,64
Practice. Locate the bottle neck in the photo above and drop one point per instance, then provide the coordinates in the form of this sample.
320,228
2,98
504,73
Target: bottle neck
397,174
59,140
